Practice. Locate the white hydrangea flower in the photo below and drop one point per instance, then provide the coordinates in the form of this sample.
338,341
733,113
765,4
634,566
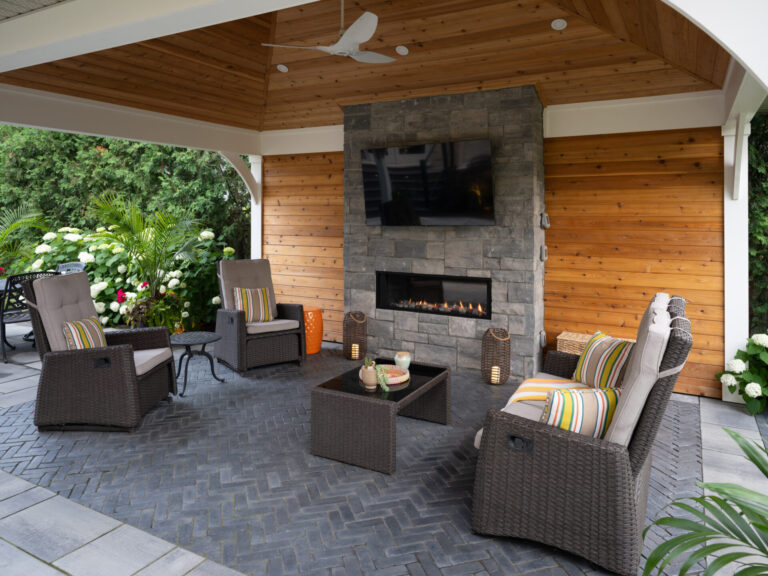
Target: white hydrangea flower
167,277
100,307
48,236
760,340
122,269
163,289
101,229
66,229
183,285
216,300
185,314
118,280
736,365
112,227
753,390
123,309
173,283
728,379
206,235
42,249
86,257
98,280
118,250
37,264
104,320
92,248
187,304
131,295
114,306
72,237
97,289
228,250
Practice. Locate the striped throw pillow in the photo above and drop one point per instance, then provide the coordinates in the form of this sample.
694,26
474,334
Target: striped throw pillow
537,389
255,302
602,363
587,412
82,334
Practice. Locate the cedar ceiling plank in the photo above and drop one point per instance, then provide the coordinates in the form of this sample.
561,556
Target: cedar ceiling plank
191,50
650,23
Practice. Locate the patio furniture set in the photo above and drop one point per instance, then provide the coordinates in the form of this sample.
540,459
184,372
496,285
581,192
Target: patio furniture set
552,465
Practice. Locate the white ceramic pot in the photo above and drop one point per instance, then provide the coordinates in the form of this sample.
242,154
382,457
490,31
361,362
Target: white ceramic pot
368,376
403,359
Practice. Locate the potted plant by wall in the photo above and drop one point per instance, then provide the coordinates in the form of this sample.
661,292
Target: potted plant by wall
747,373
369,375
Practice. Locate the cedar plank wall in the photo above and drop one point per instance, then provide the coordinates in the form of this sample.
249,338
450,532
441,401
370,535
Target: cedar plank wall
631,215
303,228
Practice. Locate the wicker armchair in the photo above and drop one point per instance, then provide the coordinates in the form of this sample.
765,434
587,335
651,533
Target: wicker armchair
244,346
584,495
108,388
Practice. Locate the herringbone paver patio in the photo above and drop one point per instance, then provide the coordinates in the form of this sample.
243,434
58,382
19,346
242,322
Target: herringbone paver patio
226,472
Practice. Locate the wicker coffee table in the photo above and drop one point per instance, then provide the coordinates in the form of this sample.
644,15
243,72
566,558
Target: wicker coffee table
358,427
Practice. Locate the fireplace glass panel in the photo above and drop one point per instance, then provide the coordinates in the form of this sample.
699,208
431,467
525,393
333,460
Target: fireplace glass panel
434,294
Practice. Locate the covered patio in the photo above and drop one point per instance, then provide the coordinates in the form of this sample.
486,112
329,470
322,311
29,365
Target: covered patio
619,132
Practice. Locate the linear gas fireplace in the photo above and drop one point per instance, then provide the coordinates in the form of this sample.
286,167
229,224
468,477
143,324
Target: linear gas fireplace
469,297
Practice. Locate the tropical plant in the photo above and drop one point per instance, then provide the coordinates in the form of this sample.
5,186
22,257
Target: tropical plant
747,373
12,220
730,525
758,223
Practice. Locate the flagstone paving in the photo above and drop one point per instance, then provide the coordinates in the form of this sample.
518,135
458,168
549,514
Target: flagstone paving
226,473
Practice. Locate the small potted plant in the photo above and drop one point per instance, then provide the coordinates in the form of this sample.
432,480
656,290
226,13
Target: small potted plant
747,373
368,375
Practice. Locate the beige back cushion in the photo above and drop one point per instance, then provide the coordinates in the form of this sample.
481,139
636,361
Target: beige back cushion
641,374
245,274
63,299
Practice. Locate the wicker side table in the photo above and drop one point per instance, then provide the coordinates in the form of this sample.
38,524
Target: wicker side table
572,342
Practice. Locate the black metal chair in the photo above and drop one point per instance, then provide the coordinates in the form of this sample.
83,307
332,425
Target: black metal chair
13,305
70,267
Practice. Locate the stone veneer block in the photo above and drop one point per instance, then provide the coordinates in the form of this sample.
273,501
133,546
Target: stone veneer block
508,252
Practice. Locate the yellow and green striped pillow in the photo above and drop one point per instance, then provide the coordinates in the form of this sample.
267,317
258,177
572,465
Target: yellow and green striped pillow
255,302
82,334
587,412
602,363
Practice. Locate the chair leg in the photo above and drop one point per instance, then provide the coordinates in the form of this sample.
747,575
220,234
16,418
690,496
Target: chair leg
3,341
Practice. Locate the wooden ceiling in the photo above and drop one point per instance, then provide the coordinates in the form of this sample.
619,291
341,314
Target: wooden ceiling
222,74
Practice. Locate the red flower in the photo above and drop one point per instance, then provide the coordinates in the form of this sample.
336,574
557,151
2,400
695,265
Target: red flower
121,296
144,285
2,269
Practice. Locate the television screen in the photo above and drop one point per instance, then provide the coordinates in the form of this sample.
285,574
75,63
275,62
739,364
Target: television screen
441,184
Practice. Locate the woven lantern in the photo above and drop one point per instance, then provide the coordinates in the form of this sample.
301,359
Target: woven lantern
494,364
355,335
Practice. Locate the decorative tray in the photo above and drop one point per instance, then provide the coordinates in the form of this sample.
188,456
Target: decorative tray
397,378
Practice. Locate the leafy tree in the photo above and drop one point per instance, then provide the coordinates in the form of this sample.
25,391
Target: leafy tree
758,224
61,173
12,222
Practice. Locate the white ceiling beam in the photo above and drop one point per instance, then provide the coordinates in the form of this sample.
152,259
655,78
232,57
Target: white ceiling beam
82,26
737,25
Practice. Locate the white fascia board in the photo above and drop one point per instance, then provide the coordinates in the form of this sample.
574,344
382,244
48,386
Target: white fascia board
676,111
303,140
82,26
49,111
737,25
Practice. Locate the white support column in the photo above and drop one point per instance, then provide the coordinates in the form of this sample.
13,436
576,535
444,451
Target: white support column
257,233
736,239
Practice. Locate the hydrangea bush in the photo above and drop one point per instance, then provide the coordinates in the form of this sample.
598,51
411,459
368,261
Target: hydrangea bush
189,292
747,373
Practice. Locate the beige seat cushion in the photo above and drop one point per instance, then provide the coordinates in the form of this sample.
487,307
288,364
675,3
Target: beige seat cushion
146,360
641,374
62,299
271,326
245,274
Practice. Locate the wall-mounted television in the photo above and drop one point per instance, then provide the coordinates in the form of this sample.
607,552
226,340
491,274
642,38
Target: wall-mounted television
438,184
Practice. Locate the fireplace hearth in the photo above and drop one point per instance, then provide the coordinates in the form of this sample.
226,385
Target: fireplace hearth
467,297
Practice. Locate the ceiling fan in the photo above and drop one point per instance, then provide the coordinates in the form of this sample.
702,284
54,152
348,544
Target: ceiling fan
349,41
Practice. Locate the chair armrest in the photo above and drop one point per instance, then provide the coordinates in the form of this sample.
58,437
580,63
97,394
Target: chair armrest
291,312
140,338
560,364
97,386
546,474
230,325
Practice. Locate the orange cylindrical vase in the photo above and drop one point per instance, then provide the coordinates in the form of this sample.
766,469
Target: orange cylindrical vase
313,326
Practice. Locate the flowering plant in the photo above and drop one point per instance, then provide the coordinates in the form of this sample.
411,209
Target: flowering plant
747,373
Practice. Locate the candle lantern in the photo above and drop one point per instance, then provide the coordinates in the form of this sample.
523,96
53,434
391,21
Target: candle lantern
355,335
495,356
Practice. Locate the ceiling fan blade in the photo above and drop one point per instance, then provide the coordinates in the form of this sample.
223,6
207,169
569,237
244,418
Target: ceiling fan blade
321,48
360,31
369,57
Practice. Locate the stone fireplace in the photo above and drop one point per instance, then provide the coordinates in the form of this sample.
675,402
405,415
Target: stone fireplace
502,262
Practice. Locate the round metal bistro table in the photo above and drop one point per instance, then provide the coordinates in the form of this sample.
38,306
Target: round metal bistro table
189,339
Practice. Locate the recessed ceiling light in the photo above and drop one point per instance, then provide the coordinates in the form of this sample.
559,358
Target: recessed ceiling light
402,50
559,24
282,68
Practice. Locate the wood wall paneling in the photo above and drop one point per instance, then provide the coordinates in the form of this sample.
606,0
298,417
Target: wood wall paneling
632,215
303,227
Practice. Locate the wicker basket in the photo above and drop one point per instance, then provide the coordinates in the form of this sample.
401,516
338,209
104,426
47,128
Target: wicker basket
495,362
355,335
572,342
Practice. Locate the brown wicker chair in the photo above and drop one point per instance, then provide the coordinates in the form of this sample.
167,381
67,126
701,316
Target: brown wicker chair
580,494
245,346
107,388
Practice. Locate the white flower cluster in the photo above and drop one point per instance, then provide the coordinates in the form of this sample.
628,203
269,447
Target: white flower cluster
728,380
753,390
760,340
114,306
216,300
68,229
42,249
228,250
206,235
736,365
98,288
173,283
185,314
86,257
72,237
122,269
37,264
117,249
101,229
48,236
